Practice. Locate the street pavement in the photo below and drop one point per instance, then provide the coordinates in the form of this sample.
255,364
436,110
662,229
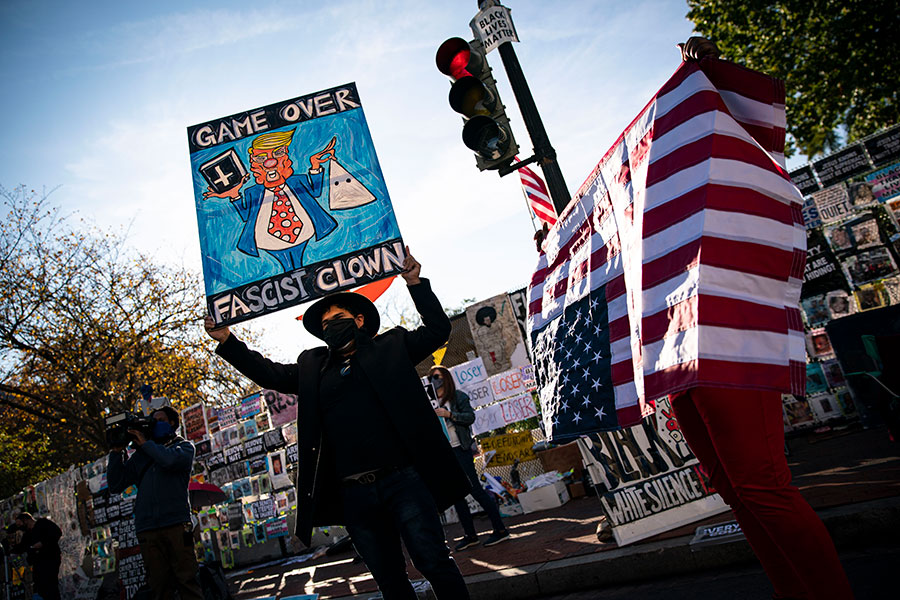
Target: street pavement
851,477
872,574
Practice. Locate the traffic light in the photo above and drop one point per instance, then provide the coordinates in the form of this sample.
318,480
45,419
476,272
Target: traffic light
474,96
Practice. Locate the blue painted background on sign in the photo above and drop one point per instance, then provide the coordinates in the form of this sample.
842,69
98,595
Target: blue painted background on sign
220,226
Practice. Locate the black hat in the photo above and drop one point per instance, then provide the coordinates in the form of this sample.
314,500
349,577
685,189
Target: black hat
356,303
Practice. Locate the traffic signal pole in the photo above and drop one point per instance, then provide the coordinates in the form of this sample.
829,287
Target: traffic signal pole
544,153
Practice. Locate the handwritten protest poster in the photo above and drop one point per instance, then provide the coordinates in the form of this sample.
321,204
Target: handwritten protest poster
291,204
282,407
509,447
647,478
495,331
512,410
194,425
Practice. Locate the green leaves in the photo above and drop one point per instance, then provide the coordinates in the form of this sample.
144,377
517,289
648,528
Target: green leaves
84,322
838,60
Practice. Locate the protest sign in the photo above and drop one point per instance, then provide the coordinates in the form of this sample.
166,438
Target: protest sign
496,334
823,272
278,471
647,478
291,204
833,203
515,409
248,429
509,447
805,180
479,393
273,439
848,162
212,420
277,528
469,372
193,422
250,406
884,147
226,417
493,25
885,182
282,407
506,384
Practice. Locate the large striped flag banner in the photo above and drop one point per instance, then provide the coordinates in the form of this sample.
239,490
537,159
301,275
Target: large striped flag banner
537,195
679,261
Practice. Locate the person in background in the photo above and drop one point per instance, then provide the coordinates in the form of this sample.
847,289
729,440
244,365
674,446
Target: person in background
161,470
456,411
40,542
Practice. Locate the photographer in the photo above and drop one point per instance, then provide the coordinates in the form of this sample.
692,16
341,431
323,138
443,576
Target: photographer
161,470
40,541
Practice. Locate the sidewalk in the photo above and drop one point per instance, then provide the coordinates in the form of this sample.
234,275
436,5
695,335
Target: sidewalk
851,477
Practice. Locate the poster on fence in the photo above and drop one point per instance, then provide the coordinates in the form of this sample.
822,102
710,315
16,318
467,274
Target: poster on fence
509,447
495,331
291,204
282,407
193,422
647,478
500,414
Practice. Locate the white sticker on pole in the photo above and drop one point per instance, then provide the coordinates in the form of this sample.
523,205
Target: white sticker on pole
494,26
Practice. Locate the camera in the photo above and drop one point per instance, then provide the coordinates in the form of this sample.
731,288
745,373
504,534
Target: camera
117,427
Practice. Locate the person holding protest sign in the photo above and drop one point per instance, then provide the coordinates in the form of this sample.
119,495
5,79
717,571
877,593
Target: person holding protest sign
456,410
372,454
738,437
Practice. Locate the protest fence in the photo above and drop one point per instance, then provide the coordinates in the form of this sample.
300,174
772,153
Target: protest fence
851,209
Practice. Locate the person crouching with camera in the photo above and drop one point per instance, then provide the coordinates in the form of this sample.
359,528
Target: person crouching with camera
161,469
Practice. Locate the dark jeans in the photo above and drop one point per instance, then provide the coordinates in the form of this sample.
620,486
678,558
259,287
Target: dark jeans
399,506
170,562
481,496
46,579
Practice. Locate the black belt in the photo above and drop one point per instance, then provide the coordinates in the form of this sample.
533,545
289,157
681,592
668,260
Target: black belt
369,477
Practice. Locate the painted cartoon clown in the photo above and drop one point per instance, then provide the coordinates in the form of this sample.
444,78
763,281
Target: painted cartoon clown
280,211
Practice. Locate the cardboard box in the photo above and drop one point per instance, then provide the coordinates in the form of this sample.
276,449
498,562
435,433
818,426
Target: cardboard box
576,490
549,496
562,458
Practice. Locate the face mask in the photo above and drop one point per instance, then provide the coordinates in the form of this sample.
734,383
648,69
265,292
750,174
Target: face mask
339,332
162,430
437,381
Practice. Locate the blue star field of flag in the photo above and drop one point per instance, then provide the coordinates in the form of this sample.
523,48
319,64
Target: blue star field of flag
572,363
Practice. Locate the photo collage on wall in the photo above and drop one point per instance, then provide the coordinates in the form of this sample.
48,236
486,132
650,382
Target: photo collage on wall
852,216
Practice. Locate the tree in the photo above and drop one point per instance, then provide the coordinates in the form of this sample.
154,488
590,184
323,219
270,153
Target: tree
838,59
84,322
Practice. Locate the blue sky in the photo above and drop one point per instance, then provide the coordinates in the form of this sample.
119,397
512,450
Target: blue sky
98,96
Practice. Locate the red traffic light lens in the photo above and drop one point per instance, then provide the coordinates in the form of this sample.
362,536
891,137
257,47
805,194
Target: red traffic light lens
484,136
456,59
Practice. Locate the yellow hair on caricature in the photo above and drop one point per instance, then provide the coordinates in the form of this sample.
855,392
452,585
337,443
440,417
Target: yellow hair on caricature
275,139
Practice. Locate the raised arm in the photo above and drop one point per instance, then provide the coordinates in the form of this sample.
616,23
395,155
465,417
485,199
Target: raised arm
435,328
263,372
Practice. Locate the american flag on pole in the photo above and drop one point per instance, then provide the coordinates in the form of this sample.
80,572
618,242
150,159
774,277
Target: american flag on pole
537,195
679,261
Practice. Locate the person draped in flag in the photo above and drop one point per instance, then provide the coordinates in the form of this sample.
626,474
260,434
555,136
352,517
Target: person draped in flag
738,437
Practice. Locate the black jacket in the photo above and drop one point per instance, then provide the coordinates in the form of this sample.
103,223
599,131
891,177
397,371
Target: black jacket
47,533
388,361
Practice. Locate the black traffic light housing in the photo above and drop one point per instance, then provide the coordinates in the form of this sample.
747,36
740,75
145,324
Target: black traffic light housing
474,96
